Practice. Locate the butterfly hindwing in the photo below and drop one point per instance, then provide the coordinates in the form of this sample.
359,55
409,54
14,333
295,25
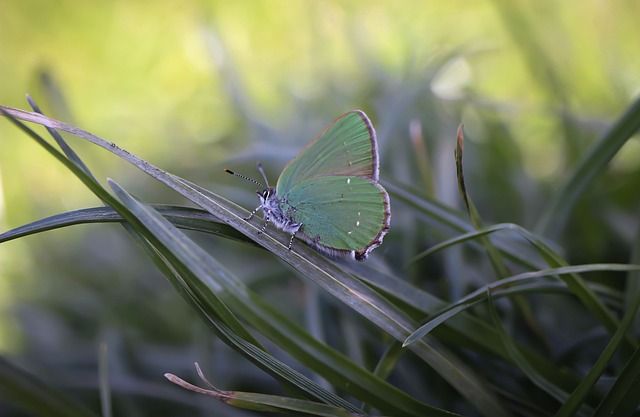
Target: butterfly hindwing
346,147
341,213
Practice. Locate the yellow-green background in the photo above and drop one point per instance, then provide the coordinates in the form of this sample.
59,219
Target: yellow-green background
195,86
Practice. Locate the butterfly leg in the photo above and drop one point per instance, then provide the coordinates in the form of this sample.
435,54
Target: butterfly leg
266,221
293,233
253,213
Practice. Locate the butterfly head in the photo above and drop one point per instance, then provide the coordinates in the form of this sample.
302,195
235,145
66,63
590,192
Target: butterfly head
267,196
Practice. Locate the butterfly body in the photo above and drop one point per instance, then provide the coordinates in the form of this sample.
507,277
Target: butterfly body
278,213
329,195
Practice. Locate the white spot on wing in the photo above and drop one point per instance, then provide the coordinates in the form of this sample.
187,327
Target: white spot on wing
358,223
348,180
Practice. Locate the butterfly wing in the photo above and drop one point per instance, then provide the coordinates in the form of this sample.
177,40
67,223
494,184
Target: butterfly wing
346,147
340,214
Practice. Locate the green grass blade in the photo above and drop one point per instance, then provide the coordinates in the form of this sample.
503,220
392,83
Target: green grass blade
624,397
419,407
529,370
579,396
376,391
94,186
66,149
186,257
496,259
449,221
632,289
104,380
268,403
250,349
500,285
187,218
469,236
355,380
263,402
361,298
334,367
592,164
494,255
573,281
318,269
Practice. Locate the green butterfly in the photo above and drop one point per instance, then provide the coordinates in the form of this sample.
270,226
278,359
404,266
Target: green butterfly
329,195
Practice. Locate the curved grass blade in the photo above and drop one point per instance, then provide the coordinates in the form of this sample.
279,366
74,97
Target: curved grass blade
449,220
198,300
592,164
195,219
623,397
190,259
200,220
573,281
464,238
230,332
495,257
530,371
496,287
261,402
346,375
579,395
66,149
375,308
410,408
472,332
97,189
632,288
187,218
318,269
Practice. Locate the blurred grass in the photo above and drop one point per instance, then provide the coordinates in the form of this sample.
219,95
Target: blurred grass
194,87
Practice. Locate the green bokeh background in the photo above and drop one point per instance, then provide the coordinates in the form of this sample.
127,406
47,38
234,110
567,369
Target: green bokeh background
196,86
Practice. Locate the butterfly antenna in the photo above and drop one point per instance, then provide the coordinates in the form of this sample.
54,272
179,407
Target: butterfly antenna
266,181
228,171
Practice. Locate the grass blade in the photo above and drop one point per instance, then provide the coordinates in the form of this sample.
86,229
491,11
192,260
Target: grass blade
318,269
592,164
579,395
187,218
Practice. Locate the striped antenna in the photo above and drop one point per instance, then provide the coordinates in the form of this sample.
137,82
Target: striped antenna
228,171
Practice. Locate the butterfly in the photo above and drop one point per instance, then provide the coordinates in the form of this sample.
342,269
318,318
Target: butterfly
329,195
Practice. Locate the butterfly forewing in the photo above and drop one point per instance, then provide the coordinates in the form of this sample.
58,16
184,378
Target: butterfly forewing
346,147
345,213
